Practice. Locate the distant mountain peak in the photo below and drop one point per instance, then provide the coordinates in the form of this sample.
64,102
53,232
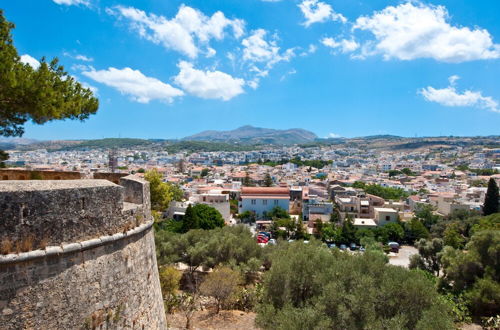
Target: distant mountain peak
249,134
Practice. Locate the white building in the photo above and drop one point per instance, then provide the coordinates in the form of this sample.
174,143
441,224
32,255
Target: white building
385,215
263,199
218,201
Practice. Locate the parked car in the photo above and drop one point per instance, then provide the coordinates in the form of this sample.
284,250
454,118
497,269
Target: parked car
332,245
353,246
362,249
394,246
343,247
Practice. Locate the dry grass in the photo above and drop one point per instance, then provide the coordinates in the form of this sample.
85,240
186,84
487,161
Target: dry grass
25,244
128,225
43,243
6,246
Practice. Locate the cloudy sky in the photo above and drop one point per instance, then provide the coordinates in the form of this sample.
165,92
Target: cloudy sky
168,68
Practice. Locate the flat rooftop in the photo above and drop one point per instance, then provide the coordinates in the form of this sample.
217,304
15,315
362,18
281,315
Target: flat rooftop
384,209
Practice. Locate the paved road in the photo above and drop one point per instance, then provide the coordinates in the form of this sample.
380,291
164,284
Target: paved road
403,257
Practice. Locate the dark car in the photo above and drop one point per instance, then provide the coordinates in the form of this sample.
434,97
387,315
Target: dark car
353,246
343,247
332,245
394,246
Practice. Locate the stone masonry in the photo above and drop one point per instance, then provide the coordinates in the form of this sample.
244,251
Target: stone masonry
98,269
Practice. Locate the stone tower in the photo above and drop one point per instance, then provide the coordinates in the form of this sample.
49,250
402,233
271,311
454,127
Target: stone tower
78,254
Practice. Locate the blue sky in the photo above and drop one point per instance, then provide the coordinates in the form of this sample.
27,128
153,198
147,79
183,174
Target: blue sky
168,69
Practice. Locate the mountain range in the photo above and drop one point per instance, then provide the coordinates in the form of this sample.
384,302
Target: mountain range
252,138
256,135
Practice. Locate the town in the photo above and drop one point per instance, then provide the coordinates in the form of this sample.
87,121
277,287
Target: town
257,165
367,185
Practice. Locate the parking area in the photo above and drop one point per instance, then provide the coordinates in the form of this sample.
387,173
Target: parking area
402,258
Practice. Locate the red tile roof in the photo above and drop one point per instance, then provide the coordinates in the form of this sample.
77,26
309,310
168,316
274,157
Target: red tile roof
265,191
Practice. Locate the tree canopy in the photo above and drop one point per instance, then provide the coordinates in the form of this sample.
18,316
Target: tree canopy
491,201
201,216
384,192
233,245
221,285
475,272
162,193
38,94
309,287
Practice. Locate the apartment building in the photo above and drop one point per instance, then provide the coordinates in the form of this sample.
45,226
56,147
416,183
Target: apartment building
263,199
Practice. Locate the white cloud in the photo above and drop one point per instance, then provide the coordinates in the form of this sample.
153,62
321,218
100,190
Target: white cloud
72,2
262,54
258,49
81,67
210,52
310,50
415,30
289,73
453,79
183,32
83,58
132,82
451,98
27,59
346,46
208,84
79,57
254,84
316,12
332,136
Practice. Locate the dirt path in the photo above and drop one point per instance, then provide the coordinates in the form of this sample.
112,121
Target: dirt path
206,319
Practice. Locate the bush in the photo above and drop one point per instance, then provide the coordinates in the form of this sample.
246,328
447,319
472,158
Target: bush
310,287
169,282
233,246
220,284
484,297
201,216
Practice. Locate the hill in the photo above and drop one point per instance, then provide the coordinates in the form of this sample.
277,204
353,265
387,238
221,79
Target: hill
256,135
108,143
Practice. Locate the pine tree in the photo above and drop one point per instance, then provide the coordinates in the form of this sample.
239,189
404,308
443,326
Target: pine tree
189,221
491,201
247,182
37,95
3,157
268,181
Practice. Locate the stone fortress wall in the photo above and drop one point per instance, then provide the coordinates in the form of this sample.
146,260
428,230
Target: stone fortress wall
78,254
23,174
26,174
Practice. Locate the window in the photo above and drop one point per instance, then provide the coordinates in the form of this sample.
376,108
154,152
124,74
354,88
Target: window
387,218
276,202
264,202
254,202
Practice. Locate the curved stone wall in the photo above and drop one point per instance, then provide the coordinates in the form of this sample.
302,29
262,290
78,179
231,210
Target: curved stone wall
109,280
